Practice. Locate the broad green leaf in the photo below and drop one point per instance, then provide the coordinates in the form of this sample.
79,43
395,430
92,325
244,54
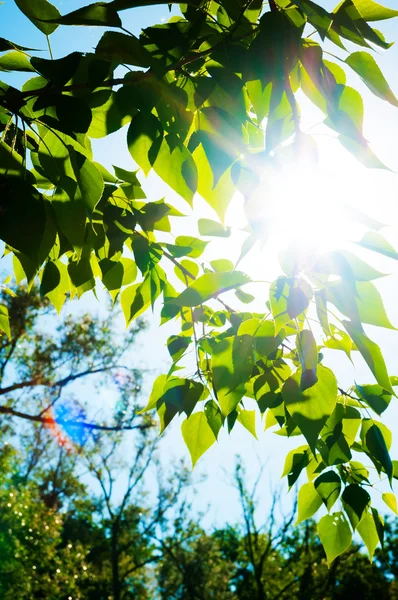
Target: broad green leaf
308,356
335,535
247,418
135,300
295,461
208,286
379,524
144,137
377,440
371,353
339,340
328,486
391,501
175,165
197,435
376,242
368,532
179,396
15,61
366,67
4,321
364,304
232,364
356,502
309,502
288,299
156,393
264,338
99,13
55,283
38,12
177,345
213,416
375,397
89,180
311,408
122,48
221,265
60,70
212,228
372,11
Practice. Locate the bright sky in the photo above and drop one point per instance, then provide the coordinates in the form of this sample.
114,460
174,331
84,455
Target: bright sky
339,180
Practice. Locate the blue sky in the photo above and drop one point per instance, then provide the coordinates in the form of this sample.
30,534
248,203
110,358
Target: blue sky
375,192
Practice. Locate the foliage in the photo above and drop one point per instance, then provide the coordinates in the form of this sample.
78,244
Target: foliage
210,100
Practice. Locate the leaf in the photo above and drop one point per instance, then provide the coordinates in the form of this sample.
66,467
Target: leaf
208,286
177,345
175,165
335,535
368,532
89,179
311,408
213,416
376,242
375,397
197,435
376,445
60,70
356,502
231,364
309,502
4,321
135,300
296,460
99,13
15,61
328,486
372,355
366,67
391,501
212,228
308,356
122,48
247,418
372,11
55,283
143,132
38,12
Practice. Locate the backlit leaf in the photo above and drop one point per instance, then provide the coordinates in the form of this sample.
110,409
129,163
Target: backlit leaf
197,435
335,535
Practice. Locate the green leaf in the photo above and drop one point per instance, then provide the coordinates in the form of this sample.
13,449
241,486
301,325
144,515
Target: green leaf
328,486
232,364
366,67
221,265
377,445
356,502
15,61
308,356
311,408
208,286
391,501
375,397
376,242
335,535
372,355
197,435
145,132
212,228
38,12
247,418
309,502
81,276
177,345
368,532
288,299
135,300
4,321
60,70
213,416
99,13
55,283
296,460
123,49
372,11
89,179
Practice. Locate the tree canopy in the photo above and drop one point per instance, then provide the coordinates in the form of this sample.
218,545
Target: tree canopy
210,103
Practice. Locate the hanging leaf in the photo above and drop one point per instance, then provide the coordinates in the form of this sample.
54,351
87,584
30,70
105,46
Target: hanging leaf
376,242
309,502
208,286
38,12
368,532
328,486
366,67
356,502
335,535
197,435
311,408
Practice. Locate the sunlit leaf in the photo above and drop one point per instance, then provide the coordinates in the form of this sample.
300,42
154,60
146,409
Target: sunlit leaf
197,435
335,535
